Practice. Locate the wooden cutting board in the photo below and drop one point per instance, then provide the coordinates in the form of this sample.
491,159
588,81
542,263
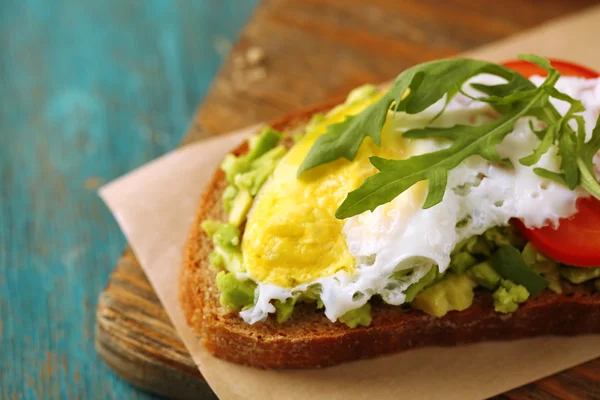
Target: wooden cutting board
294,53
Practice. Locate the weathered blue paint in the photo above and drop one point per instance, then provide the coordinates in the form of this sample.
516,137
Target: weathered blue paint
88,90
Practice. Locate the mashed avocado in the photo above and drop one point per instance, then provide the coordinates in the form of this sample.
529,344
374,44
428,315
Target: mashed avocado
284,309
358,316
479,246
226,239
471,265
485,275
508,297
579,275
460,262
454,292
246,174
429,278
235,293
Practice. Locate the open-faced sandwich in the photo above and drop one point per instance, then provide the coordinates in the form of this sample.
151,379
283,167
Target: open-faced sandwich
459,205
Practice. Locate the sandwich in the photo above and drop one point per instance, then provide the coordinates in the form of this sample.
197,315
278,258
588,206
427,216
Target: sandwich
459,205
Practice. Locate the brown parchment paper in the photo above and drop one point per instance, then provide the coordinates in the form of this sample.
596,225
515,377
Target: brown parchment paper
155,204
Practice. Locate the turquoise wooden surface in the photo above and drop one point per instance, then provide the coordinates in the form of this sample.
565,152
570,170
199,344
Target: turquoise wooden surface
88,91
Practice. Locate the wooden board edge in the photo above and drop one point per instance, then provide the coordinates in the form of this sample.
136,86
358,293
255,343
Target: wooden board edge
145,373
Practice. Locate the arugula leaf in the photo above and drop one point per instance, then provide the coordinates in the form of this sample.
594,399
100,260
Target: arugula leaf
586,164
424,84
567,149
396,176
576,155
505,97
568,142
547,141
554,176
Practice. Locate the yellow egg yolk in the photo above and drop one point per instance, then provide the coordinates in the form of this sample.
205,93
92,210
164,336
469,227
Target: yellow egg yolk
292,235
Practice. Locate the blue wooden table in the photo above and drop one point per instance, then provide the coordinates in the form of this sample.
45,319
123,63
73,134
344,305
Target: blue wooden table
88,91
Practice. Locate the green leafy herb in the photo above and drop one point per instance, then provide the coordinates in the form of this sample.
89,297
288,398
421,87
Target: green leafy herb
396,176
576,155
586,165
424,84
549,135
516,98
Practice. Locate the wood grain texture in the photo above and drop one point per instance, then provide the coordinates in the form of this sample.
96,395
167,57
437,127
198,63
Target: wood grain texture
90,90
317,49
148,334
314,50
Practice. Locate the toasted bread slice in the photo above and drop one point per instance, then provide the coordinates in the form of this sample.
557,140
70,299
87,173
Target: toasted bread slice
310,340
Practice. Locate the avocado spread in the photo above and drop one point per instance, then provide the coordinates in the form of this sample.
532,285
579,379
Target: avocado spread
579,275
485,275
283,309
508,297
454,292
358,316
226,239
246,174
235,293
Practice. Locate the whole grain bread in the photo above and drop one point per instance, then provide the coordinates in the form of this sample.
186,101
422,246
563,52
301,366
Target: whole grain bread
310,340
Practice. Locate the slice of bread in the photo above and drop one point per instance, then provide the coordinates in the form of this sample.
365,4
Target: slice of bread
310,340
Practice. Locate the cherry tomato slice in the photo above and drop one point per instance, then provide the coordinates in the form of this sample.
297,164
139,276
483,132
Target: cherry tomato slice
565,68
577,239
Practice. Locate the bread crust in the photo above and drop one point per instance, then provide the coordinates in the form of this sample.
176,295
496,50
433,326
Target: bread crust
310,340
